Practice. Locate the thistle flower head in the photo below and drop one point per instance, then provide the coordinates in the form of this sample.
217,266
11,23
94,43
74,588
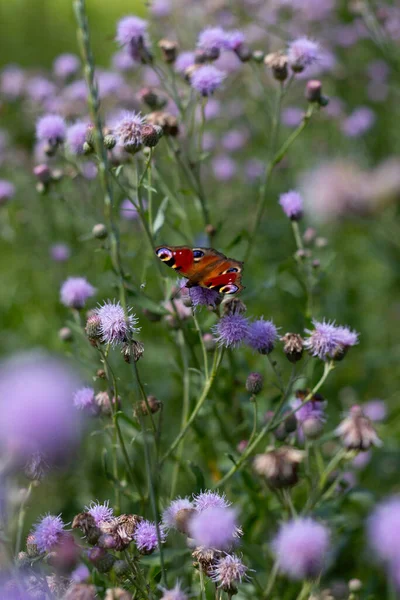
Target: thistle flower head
169,516
292,205
214,528
201,296
60,252
376,410
76,137
303,53
207,79
183,61
212,38
131,29
128,211
231,330
279,466
262,336
301,547
114,326
145,536
176,593
128,131
228,571
47,532
51,128
100,512
383,530
75,291
66,65
234,39
84,399
209,499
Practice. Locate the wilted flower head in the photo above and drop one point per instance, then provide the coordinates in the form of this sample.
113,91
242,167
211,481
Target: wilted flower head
76,137
7,191
207,79
231,330
66,65
357,432
169,516
84,399
301,547
292,204
302,53
383,530
100,512
228,571
115,327
128,131
75,291
327,340
214,527
176,593
52,129
145,536
37,413
262,336
279,466
47,532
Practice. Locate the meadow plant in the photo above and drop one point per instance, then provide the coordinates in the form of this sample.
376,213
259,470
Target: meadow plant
230,453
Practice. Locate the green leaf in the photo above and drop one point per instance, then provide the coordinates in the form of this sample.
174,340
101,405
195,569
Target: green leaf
160,217
118,170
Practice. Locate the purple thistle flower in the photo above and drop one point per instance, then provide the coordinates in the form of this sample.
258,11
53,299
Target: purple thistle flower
76,91
115,326
183,61
75,291
12,82
228,570
214,528
145,537
161,8
122,61
383,531
100,512
169,514
292,204
303,53
84,399
7,191
51,128
128,131
132,33
254,168
207,79
201,296
234,140
376,410
37,414
47,532
109,84
40,89
60,252
231,331
66,65
212,38
175,593
301,547
76,137
234,39
327,340
262,336
310,417
224,167
210,499
359,122
80,574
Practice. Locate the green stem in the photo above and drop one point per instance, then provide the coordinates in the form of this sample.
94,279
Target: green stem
203,347
271,580
305,590
21,519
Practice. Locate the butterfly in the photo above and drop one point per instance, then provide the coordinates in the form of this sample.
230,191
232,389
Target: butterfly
205,267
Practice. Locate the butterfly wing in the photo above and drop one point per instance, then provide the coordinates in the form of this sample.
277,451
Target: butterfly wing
204,266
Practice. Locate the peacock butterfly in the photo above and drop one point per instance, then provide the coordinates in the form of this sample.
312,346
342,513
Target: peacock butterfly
205,267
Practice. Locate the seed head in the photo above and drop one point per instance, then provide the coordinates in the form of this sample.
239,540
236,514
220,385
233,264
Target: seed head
279,467
167,122
143,409
278,63
169,50
357,431
293,346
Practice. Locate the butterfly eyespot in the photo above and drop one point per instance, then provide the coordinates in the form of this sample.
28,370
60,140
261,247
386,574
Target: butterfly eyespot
198,254
232,270
230,288
164,254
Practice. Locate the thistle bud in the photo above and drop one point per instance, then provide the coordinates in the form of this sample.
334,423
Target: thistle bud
121,568
169,50
65,334
258,56
279,467
313,90
151,135
312,428
90,135
133,351
99,231
109,141
31,547
200,57
102,560
293,346
107,541
233,306
355,585
278,63
168,122
357,431
254,383
92,329
86,523
316,264
143,409
323,101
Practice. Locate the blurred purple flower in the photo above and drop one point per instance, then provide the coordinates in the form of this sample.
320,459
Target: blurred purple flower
361,460
301,547
209,499
292,205
66,65
231,330
214,528
51,128
376,410
201,296
234,140
183,61
12,82
160,8
80,574
84,399
377,91
303,53
109,84
359,122
60,252
100,512
234,39
224,167
145,536
132,33
175,593
327,340
383,530
228,570
122,61
212,38
115,326
262,336
76,137
40,89
76,91
169,514
254,168
128,211
7,191
292,116
37,413
378,70
47,532
206,79
89,170
208,141
75,291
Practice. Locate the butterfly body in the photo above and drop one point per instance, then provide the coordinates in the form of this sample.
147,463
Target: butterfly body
205,267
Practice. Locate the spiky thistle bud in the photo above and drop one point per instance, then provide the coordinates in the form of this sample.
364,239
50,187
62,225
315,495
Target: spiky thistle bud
92,329
258,56
109,141
151,135
152,98
293,346
313,90
254,383
99,231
